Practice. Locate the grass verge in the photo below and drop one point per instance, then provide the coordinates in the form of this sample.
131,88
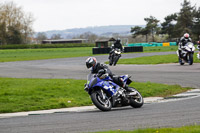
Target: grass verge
38,54
52,53
160,49
157,59
184,129
18,95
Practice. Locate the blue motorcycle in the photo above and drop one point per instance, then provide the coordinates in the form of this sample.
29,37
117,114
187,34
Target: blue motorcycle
105,94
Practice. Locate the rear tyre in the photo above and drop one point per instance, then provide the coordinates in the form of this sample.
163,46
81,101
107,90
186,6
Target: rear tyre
104,104
136,101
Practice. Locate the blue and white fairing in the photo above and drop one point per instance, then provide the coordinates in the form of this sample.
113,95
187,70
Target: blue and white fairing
107,84
125,78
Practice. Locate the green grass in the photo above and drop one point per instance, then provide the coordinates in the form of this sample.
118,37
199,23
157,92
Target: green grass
18,95
157,59
184,129
160,49
52,53
38,54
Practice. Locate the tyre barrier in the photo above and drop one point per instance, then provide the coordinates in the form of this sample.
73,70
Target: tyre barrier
133,49
126,49
101,50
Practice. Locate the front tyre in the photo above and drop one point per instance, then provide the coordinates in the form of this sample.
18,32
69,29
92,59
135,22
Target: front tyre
180,61
101,102
190,58
116,59
111,60
136,101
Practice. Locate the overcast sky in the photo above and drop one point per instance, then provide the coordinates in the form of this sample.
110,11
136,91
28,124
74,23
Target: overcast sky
65,14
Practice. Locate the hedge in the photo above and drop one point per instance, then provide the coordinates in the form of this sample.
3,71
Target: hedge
35,46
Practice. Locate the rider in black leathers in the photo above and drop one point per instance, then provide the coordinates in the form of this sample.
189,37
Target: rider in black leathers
183,40
118,45
99,69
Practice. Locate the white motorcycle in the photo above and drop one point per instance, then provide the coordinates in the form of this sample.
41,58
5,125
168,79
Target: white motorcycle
198,54
187,52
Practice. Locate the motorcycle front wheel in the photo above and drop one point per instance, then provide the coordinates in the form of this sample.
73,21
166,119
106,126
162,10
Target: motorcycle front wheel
136,101
180,61
116,60
111,60
101,102
190,58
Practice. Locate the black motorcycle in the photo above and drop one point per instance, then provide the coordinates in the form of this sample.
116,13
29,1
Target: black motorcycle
105,94
114,57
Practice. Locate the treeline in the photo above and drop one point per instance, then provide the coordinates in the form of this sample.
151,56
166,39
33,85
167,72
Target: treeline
35,46
15,24
174,25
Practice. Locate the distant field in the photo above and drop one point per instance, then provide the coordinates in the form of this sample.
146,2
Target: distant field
52,53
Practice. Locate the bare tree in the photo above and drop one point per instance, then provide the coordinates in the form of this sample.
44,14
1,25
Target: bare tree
56,36
91,37
15,24
41,36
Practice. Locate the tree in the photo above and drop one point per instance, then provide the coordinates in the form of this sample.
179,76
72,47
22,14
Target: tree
41,36
56,36
168,27
136,31
151,26
139,31
196,27
185,18
15,24
91,37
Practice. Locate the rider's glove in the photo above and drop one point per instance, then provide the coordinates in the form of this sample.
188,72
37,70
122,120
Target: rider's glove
101,72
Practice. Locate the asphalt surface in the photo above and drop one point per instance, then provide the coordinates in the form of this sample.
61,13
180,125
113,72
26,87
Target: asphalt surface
75,68
168,114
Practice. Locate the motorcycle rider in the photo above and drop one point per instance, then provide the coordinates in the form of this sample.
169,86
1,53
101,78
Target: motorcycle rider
183,40
198,47
118,45
98,68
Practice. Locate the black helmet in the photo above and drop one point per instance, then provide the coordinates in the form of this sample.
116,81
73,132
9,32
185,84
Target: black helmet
118,40
90,62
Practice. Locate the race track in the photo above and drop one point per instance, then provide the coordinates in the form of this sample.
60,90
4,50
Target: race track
168,114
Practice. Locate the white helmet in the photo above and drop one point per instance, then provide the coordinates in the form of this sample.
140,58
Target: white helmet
186,35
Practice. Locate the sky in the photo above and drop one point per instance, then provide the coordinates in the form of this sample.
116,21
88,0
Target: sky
67,14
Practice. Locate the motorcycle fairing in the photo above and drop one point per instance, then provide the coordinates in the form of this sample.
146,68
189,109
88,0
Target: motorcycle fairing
126,79
109,86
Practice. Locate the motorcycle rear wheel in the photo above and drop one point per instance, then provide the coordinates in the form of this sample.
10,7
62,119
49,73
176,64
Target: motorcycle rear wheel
137,100
99,102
